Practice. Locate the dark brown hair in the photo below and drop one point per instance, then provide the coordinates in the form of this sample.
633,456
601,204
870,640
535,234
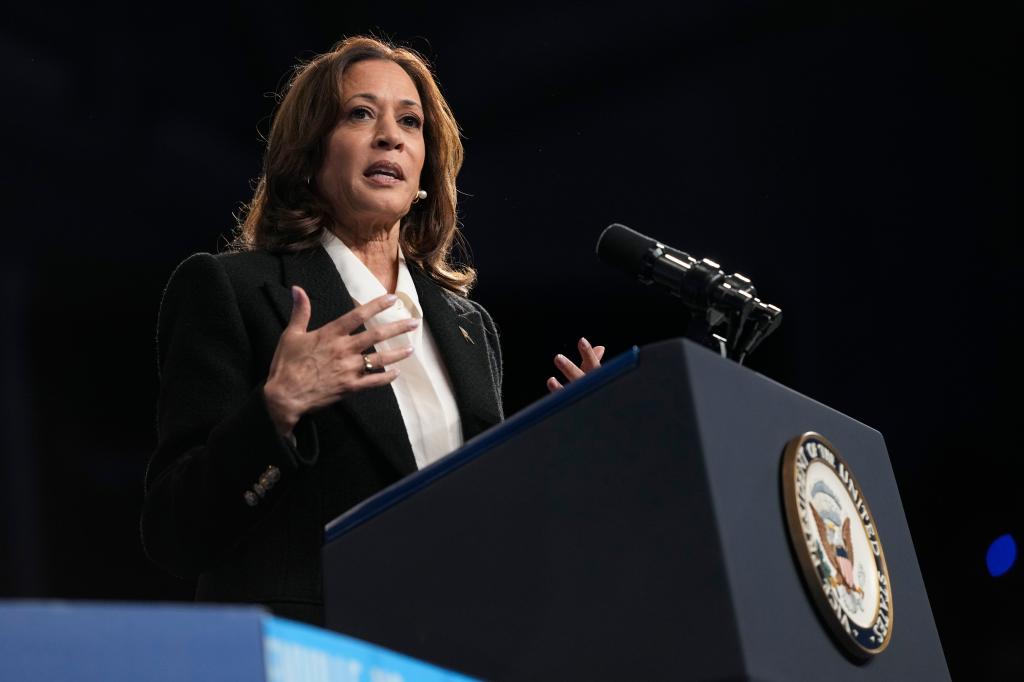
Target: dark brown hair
286,213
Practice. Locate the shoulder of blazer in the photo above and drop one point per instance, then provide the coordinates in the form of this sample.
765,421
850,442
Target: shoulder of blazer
250,268
242,268
227,290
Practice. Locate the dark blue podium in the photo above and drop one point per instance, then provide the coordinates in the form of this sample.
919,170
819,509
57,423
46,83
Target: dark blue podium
628,527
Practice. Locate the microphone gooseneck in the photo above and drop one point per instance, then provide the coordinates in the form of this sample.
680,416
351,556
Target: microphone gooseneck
729,317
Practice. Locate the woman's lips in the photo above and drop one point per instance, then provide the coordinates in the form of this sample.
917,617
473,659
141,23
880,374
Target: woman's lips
384,173
382,179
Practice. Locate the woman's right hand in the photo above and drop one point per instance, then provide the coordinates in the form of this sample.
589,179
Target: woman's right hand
312,369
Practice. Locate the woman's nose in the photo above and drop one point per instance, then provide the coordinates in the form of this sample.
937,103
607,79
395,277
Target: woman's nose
387,136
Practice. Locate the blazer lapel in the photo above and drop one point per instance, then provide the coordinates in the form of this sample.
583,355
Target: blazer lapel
458,331
375,410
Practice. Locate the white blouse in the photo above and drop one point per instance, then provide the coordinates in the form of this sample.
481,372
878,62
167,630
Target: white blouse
423,389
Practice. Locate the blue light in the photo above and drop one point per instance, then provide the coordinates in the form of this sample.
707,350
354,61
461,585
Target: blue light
1001,555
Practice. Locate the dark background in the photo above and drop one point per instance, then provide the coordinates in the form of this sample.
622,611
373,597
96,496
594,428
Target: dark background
857,160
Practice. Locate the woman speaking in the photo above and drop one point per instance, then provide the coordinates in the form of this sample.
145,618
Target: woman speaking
334,349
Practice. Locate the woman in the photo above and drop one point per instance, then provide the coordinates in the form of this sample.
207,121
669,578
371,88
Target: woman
334,350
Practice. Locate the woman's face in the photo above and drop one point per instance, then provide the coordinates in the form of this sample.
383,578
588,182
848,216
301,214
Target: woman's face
374,156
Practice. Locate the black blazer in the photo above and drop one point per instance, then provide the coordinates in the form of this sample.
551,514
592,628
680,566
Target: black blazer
219,324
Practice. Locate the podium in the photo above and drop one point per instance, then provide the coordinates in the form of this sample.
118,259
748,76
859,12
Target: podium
628,527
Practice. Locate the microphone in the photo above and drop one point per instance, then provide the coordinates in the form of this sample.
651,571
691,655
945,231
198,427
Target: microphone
729,315
650,261
625,249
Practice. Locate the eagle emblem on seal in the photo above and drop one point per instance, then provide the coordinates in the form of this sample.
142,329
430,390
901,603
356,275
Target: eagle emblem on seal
835,541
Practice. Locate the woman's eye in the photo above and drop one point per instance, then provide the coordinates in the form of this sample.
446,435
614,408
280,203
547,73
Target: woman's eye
411,121
360,113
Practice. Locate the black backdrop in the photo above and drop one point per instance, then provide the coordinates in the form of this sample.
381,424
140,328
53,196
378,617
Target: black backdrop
857,160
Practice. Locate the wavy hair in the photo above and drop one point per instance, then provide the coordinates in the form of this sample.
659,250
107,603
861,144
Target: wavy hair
287,214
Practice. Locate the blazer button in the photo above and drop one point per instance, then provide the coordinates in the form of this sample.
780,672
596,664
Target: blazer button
251,499
259,490
267,480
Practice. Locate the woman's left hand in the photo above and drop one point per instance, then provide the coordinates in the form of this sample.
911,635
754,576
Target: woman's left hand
590,357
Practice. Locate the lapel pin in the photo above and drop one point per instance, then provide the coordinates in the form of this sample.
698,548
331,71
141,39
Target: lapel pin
466,335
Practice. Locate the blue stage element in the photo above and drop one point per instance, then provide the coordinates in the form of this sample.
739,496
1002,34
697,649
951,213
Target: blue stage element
58,641
92,642
296,652
1001,555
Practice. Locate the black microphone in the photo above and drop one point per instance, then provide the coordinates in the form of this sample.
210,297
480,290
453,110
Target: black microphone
625,249
650,261
723,303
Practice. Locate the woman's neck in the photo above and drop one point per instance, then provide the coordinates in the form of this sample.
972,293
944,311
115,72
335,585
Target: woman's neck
377,249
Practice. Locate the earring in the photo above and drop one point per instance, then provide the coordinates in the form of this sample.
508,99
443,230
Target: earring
420,196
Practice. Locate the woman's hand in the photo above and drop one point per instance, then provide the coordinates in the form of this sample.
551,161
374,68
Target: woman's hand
317,368
590,360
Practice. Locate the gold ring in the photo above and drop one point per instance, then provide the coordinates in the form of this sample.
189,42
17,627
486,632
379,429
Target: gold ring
369,367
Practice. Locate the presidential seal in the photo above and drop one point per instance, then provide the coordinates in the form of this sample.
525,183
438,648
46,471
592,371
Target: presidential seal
837,545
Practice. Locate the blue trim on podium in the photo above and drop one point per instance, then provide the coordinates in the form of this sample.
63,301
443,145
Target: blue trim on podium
535,413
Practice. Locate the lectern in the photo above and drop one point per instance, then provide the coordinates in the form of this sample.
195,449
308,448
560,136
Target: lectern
629,527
